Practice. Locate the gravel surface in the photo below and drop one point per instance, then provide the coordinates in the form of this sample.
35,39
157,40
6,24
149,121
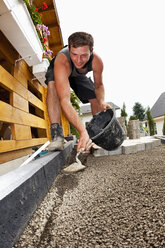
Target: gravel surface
117,201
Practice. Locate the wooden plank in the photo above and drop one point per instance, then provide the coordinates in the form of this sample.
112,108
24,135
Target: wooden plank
5,64
10,83
23,73
19,102
19,75
8,156
13,115
21,132
46,112
35,101
35,84
25,69
7,49
10,145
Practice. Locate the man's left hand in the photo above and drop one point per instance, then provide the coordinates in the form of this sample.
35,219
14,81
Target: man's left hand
104,106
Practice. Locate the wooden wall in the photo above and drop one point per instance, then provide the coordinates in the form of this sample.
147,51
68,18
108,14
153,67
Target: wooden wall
24,121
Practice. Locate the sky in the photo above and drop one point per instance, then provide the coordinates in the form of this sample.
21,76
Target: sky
129,36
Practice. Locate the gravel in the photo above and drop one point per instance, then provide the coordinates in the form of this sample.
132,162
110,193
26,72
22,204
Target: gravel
117,201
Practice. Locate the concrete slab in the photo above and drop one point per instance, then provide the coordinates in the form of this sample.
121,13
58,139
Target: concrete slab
148,145
156,142
128,149
11,165
129,146
140,147
100,152
118,151
161,137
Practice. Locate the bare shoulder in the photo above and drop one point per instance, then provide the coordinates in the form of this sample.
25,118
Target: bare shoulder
62,63
97,63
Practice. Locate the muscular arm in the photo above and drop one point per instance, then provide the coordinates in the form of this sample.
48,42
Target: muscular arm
62,72
98,81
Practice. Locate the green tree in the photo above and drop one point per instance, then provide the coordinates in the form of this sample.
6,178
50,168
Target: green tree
75,103
139,111
123,113
132,117
164,126
151,122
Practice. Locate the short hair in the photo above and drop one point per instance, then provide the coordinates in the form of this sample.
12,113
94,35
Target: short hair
78,39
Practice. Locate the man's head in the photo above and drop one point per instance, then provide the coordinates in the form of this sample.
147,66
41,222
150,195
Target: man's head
80,48
79,39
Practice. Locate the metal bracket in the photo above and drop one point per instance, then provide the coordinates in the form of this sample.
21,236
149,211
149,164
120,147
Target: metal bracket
29,56
36,78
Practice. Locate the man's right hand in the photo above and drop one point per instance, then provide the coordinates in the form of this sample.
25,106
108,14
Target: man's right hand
84,143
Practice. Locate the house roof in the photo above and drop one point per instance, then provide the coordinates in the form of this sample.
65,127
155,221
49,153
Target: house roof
158,108
85,109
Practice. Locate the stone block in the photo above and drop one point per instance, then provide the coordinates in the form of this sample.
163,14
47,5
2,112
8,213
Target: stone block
129,149
140,147
100,152
156,142
148,145
118,151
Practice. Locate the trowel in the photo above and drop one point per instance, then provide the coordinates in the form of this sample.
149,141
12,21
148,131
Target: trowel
76,166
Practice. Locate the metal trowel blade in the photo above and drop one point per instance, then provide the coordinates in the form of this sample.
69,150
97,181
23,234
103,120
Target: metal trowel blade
74,168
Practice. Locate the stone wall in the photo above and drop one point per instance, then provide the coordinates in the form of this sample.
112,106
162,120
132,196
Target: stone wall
134,129
122,123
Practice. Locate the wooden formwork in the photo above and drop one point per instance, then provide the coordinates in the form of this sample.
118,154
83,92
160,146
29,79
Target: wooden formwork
24,114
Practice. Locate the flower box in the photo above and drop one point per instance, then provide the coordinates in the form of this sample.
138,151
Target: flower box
18,27
40,70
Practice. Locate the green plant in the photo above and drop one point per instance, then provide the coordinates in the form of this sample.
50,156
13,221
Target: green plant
34,13
139,111
146,129
42,30
151,122
75,103
124,114
132,117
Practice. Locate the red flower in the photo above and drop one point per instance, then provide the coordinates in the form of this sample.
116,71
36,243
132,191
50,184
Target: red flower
39,14
45,40
45,5
36,9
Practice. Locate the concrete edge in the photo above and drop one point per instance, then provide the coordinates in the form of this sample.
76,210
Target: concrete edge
22,190
135,146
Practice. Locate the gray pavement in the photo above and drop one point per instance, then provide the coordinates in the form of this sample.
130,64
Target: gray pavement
117,201
130,146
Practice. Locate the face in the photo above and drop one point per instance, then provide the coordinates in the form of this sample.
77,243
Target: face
79,55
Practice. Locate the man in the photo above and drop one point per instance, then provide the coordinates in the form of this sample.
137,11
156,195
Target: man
70,68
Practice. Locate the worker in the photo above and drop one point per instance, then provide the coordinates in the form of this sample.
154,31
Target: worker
67,70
